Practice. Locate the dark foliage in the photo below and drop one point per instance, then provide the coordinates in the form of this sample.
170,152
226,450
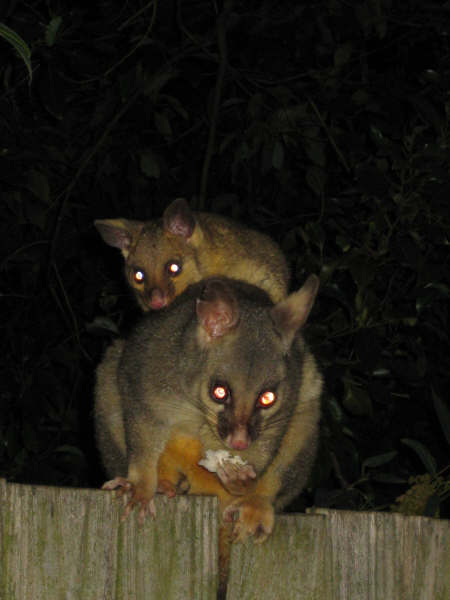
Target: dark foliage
325,124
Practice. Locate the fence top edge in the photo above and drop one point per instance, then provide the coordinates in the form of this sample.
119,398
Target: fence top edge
313,511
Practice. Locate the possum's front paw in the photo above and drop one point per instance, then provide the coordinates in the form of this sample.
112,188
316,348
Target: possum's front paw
253,515
235,474
137,494
236,478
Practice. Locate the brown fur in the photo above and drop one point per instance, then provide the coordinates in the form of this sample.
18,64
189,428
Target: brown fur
202,244
155,416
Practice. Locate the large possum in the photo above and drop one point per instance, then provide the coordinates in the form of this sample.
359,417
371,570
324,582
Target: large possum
222,368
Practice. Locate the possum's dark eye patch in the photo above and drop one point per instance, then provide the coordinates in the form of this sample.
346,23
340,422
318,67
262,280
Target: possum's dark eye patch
266,399
173,267
220,393
138,275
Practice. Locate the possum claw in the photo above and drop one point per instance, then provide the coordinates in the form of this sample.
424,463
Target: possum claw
118,482
137,497
236,479
253,515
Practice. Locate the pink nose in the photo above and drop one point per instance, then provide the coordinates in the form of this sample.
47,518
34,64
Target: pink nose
238,439
157,299
239,444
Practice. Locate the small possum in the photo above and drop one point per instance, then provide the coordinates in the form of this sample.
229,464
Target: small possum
223,368
163,257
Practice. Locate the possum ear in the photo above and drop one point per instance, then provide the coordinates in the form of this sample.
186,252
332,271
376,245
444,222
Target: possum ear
217,310
178,219
119,233
291,314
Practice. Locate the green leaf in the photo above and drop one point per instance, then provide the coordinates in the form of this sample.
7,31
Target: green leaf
67,449
362,268
342,55
314,147
38,184
387,478
316,179
177,107
149,165
51,30
19,45
155,84
101,325
357,401
377,135
278,155
431,293
360,97
335,409
162,124
363,15
36,214
378,460
227,140
443,414
31,439
428,112
314,234
423,453
372,181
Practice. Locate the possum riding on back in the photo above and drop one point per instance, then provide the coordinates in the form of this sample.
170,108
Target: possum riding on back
163,257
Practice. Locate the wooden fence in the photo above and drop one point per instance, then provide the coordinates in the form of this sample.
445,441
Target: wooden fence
69,544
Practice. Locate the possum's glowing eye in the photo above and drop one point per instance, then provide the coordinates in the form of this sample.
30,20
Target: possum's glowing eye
138,276
220,393
173,267
266,399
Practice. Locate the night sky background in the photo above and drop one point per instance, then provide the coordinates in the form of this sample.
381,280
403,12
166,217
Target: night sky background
323,124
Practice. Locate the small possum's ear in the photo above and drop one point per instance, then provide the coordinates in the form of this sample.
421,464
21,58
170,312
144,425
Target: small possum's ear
217,310
178,219
119,233
291,314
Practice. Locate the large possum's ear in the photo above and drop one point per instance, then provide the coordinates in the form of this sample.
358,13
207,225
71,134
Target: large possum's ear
119,233
217,310
291,314
178,219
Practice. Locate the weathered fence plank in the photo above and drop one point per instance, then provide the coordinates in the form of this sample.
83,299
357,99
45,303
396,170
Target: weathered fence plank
383,555
346,555
68,544
290,564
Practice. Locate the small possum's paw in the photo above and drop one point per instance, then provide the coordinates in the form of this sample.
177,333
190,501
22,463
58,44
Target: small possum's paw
167,488
252,515
171,489
237,479
138,496
183,486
